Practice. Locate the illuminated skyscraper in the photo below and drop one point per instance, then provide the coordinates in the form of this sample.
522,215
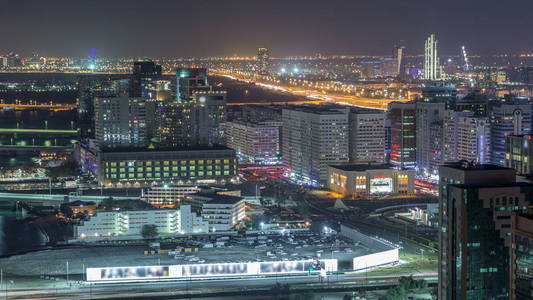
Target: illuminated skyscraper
431,59
144,74
263,57
312,139
120,121
367,135
189,80
403,135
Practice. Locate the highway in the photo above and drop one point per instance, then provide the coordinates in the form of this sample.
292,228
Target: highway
317,96
192,288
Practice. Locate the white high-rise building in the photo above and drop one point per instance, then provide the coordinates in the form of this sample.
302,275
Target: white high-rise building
429,137
367,135
120,121
312,139
254,142
431,59
473,138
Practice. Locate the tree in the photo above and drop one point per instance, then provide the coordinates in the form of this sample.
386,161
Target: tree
149,231
67,169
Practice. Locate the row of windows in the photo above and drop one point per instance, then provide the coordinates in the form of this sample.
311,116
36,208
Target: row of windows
168,175
167,162
158,169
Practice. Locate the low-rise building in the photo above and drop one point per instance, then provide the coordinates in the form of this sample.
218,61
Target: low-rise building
364,180
167,195
180,166
130,223
79,207
222,212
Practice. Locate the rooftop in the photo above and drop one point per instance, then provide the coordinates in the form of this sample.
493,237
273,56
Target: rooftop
219,199
362,167
162,149
468,166
492,185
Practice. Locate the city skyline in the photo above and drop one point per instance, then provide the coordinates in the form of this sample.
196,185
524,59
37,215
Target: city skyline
212,28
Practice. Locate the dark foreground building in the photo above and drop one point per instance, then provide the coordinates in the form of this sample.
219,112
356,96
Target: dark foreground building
485,238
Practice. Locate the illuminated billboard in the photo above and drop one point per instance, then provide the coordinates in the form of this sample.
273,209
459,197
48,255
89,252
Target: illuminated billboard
209,270
127,273
381,184
215,269
376,259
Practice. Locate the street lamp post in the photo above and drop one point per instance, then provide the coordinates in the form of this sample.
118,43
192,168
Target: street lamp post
68,282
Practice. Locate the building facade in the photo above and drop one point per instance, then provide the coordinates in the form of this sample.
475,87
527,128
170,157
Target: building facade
130,223
367,135
167,195
263,61
431,59
519,153
221,212
370,180
507,118
120,122
181,166
312,139
403,135
477,204
208,113
256,143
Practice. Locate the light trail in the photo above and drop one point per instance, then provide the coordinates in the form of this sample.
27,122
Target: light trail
316,96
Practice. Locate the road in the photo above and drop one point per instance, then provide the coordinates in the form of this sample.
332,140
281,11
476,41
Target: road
241,286
318,96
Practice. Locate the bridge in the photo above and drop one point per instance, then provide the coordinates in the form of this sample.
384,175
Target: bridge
25,139
52,107
54,200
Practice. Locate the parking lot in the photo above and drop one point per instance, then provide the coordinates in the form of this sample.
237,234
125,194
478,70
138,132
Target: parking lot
297,245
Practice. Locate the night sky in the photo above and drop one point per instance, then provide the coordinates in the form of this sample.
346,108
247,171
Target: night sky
288,27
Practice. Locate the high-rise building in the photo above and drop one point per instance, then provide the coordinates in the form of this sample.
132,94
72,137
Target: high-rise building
403,135
120,121
478,206
263,61
380,68
431,116
519,153
510,117
197,115
189,80
367,135
145,73
466,137
431,59
256,143
398,53
208,113
175,125
429,137
312,139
